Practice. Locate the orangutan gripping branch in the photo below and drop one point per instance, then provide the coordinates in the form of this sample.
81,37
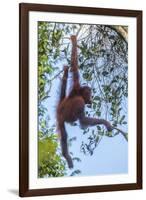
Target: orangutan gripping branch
72,107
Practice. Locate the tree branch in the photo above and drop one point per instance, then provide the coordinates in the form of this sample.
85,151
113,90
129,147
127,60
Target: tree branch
56,76
122,132
120,31
79,30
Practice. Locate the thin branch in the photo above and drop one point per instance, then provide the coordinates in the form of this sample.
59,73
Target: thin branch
123,34
125,29
55,76
122,132
79,30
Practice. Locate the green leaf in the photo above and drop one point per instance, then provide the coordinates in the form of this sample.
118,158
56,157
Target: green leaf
105,73
122,118
96,98
75,172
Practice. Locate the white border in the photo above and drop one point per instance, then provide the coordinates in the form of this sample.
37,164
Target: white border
34,181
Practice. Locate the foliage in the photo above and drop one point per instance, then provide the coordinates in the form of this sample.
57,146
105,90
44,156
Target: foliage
50,163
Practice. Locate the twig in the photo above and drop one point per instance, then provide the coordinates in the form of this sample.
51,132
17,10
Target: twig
122,132
55,76
119,33
79,30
